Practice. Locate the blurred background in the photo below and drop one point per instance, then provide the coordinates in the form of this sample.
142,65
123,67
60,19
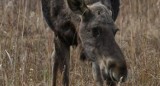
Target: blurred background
26,45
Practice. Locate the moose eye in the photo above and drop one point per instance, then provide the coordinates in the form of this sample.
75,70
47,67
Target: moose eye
96,31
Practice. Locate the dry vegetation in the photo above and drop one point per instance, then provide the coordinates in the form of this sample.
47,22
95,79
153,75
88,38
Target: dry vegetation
26,45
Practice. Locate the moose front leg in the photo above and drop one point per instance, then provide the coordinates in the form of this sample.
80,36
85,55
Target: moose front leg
65,67
61,58
55,68
97,74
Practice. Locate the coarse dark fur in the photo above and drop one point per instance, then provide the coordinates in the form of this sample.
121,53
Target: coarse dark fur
89,24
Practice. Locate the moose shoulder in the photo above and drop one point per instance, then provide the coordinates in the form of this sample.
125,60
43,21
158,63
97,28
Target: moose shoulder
89,23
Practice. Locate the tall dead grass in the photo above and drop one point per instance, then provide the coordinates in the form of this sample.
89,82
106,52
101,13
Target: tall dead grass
26,45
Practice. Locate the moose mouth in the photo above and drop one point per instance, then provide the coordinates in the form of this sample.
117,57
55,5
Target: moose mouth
108,75
112,69
115,74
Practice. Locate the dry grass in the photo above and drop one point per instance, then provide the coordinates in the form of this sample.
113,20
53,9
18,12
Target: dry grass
26,45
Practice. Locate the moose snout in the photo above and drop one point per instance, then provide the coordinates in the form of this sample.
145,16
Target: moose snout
118,74
114,71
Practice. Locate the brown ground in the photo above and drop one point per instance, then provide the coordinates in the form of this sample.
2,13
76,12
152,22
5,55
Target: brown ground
26,45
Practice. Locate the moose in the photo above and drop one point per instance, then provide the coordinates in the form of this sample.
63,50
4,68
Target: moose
89,24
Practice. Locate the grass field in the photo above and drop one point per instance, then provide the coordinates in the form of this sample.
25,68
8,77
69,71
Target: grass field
26,45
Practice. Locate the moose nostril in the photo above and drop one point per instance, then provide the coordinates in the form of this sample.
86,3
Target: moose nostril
111,74
117,76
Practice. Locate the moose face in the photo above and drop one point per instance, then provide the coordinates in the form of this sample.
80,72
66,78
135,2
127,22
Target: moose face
96,32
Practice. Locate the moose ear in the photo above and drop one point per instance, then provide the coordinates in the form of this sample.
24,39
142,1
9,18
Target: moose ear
77,6
107,3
